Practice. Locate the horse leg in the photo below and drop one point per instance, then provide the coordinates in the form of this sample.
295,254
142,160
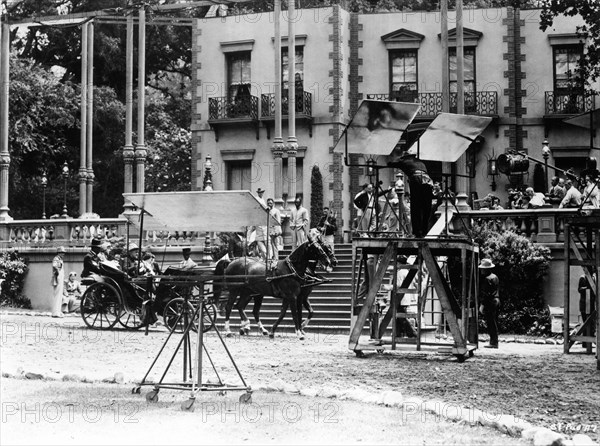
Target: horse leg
284,307
258,300
243,302
296,316
228,308
308,306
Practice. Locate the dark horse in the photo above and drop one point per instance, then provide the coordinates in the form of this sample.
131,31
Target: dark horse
247,278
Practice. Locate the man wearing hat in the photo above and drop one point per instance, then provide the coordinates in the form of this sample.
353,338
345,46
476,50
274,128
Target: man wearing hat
187,263
91,261
490,299
260,192
58,281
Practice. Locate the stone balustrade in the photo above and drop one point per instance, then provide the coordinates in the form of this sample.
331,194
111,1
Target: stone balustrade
543,225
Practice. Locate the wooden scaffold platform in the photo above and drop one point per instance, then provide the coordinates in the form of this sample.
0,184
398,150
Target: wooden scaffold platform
443,319
582,249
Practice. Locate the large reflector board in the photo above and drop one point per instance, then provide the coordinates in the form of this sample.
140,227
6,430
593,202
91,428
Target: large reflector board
449,136
218,211
377,127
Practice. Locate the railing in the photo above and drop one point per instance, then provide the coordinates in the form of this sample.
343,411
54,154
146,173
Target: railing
484,103
233,108
569,103
544,225
75,232
303,104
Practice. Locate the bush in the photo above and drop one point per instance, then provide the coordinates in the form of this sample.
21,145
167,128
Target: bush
13,269
520,266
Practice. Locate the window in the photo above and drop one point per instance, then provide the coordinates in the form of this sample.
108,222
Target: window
299,68
239,175
566,61
403,74
469,70
238,74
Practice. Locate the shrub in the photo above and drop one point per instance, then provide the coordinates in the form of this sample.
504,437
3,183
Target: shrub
13,269
520,266
316,196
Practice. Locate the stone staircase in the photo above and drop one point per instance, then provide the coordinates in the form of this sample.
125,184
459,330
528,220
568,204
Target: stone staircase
330,301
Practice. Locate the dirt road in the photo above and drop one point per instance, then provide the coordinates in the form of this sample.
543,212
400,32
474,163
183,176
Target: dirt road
535,382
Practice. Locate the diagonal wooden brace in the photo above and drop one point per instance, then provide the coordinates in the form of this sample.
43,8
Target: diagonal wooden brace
374,284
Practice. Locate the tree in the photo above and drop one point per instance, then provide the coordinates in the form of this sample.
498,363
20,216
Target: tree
589,67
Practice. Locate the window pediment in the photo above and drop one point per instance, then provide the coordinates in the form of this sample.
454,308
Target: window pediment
565,39
402,39
470,37
237,46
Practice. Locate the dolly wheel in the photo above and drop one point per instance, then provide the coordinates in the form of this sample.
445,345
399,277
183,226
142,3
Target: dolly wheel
152,396
461,358
188,405
471,353
359,353
136,390
246,398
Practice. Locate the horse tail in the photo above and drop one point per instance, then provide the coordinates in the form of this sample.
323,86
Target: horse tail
219,282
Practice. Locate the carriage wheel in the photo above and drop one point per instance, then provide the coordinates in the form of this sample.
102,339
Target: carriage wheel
175,307
173,310
100,306
131,320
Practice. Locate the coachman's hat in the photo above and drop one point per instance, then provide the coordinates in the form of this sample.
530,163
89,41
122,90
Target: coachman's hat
260,190
186,250
486,264
96,242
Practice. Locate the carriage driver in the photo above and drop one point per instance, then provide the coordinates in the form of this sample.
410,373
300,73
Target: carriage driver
91,261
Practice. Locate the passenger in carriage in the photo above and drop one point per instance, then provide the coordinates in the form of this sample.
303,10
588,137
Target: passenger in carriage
92,260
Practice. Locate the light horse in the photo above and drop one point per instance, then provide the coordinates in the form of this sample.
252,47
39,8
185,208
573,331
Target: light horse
247,278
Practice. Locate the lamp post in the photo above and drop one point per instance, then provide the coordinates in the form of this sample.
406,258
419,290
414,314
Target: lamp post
545,154
207,184
65,174
44,185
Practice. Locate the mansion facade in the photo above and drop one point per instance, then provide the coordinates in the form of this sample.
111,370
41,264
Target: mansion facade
516,74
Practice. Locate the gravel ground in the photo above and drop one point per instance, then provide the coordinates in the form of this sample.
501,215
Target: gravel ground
534,382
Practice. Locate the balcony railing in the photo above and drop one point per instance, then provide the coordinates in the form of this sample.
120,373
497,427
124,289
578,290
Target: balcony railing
303,104
484,103
569,103
245,107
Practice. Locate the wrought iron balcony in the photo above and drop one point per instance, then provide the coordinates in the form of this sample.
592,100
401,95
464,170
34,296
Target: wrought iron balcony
484,103
303,109
239,108
558,103
303,104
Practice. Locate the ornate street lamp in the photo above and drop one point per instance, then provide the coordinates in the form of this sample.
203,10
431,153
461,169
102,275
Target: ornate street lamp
207,185
65,174
546,154
44,186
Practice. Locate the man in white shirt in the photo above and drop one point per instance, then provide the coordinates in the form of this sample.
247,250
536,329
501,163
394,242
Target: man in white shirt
536,199
572,198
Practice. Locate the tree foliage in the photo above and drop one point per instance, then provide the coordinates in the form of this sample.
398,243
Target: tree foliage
13,269
589,69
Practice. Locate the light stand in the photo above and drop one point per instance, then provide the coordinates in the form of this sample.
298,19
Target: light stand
65,174
546,154
44,185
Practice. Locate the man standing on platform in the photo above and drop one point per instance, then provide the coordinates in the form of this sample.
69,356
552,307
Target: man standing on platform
274,231
299,223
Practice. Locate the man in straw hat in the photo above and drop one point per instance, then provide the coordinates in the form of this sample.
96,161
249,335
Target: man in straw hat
490,299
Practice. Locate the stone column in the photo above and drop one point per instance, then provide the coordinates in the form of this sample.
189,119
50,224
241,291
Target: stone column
4,154
84,117
128,153
278,147
292,142
446,167
90,117
140,149
462,183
